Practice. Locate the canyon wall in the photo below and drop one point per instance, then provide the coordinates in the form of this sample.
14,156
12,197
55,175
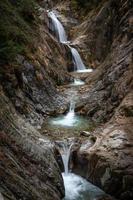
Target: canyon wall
28,169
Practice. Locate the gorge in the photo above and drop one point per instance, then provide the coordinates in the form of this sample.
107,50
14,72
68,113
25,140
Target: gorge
66,100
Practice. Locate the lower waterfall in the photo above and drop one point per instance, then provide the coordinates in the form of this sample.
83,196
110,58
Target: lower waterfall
76,187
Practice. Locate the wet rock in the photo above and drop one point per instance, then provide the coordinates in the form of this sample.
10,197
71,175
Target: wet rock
59,158
109,162
86,145
85,133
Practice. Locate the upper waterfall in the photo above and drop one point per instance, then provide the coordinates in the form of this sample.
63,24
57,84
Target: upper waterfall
58,27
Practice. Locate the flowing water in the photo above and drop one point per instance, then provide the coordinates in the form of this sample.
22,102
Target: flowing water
65,153
76,187
77,82
84,70
58,28
78,63
70,120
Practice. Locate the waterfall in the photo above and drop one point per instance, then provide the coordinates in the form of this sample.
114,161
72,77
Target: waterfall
78,63
76,187
69,120
65,154
71,108
78,82
70,117
58,28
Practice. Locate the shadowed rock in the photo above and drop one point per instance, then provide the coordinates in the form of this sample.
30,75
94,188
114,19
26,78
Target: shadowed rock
28,169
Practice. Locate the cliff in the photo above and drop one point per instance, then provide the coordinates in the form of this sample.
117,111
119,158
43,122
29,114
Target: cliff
29,72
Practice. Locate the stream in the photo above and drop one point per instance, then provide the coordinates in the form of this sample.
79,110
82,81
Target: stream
76,187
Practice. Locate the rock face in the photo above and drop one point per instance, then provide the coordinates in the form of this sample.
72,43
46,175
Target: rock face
30,82
28,169
106,36
109,162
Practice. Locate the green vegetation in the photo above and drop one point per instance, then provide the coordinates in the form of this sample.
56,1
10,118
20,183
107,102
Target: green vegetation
81,3
17,22
84,3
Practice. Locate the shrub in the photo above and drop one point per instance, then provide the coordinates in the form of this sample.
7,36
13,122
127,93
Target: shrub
15,27
84,3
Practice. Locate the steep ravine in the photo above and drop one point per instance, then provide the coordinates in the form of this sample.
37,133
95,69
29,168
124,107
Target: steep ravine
36,86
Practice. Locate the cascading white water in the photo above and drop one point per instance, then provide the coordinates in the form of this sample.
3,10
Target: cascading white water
70,115
76,188
70,119
59,29
66,150
77,82
78,63
61,35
